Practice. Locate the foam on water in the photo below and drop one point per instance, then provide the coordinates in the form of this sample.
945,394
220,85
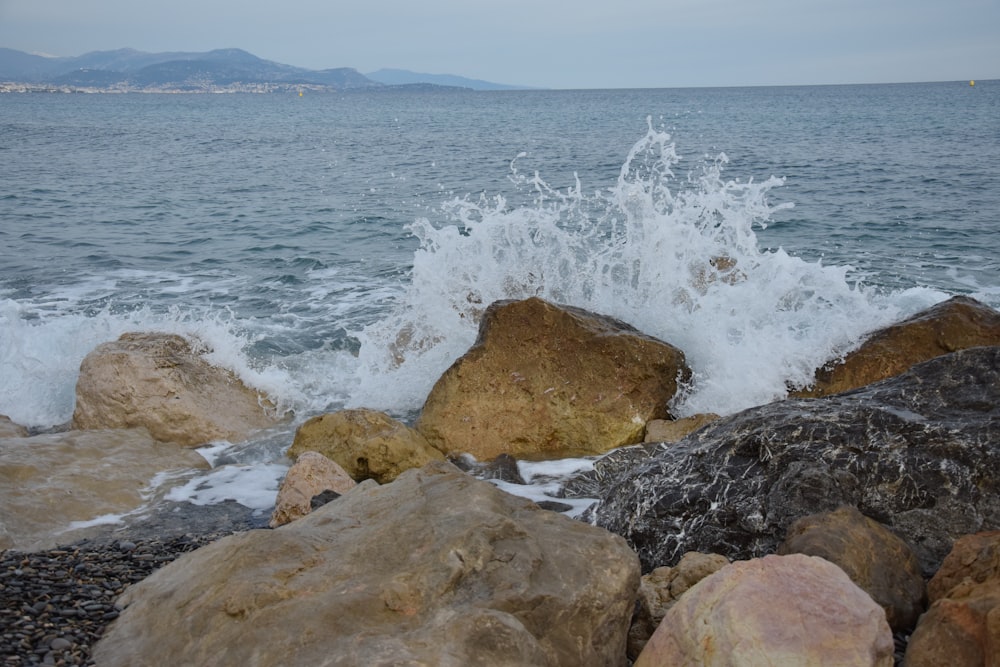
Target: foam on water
675,256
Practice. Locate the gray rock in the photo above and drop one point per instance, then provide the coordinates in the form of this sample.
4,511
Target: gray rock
919,452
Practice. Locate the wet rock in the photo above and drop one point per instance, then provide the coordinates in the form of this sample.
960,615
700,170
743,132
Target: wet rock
919,452
160,382
49,481
659,591
775,610
436,568
548,379
672,430
368,444
875,559
311,474
956,324
9,429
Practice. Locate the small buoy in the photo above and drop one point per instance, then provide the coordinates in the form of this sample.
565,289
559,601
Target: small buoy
972,83
300,93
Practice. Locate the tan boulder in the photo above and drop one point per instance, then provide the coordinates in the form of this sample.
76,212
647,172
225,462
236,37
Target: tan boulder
368,444
673,430
875,559
962,626
160,382
659,591
48,482
437,568
956,324
9,429
311,475
549,380
777,610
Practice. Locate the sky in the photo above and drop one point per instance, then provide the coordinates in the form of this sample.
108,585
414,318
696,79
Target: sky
549,43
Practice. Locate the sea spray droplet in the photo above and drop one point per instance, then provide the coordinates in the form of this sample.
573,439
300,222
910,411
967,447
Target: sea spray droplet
675,256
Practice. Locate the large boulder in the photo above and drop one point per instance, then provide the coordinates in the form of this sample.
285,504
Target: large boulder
160,382
547,380
956,324
366,443
51,482
311,475
919,452
777,610
875,559
437,568
962,626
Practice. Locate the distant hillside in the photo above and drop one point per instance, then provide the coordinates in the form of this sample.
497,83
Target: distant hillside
221,69
402,77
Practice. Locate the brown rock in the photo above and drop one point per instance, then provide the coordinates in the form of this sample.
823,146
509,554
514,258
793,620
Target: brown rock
366,443
9,429
546,380
776,610
973,557
437,568
661,588
47,482
311,475
956,324
673,430
962,626
159,382
875,559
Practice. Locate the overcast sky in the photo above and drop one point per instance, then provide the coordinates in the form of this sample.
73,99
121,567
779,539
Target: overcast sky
549,43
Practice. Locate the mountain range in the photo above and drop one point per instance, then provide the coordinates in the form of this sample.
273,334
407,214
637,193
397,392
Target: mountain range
220,69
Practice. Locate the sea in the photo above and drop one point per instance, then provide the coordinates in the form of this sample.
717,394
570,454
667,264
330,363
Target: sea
336,250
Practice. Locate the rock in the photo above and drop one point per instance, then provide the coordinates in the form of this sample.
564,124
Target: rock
661,588
919,453
9,429
366,443
159,382
672,430
775,610
549,380
876,560
956,324
49,481
974,557
962,626
311,475
437,568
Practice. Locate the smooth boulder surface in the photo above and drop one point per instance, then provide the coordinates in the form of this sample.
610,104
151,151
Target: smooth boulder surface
160,382
49,481
875,559
544,379
919,452
777,610
437,568
366,443
956,324
310,475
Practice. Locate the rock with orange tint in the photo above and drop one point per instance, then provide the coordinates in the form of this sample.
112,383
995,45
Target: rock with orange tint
311,475
545,380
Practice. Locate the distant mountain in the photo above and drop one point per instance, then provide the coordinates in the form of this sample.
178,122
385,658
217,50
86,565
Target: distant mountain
402,77
226,69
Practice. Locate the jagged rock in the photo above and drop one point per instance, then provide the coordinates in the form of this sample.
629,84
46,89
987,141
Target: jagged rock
547,379
49,481
8,429
159,382
311,475
962,626
774,610
368,444
437,568
875,559
956,324
919,452
672,430
659,591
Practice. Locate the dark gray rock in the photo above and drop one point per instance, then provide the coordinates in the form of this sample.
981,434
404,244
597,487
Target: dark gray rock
919,452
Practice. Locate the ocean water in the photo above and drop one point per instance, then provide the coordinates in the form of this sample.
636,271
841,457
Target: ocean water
336,250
